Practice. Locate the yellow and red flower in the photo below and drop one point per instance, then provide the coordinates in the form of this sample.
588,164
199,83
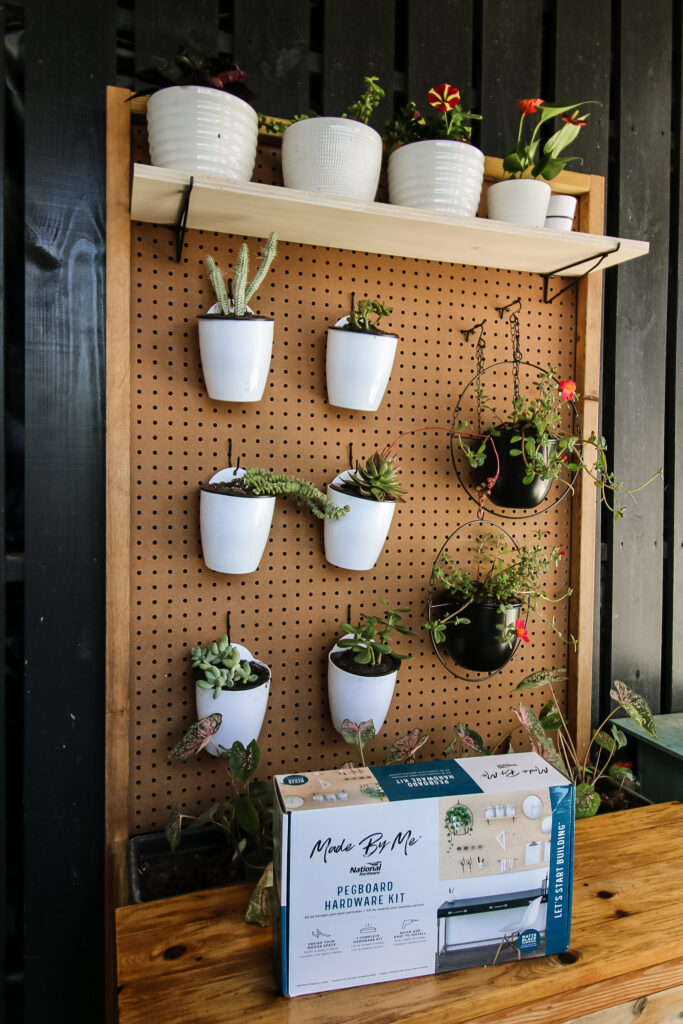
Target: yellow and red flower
575,119
567,389
521,631
529,106
444,97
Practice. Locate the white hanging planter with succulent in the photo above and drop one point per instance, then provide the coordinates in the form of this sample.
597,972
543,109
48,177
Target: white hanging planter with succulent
370,493
231,682
360,357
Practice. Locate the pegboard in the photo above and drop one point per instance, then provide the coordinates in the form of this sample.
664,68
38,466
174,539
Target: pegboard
289,612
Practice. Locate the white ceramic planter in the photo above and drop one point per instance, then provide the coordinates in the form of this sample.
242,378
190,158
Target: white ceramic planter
519,201
243,711
234,530
203,131
356,540
235,356
358,367
334,155
437,174
561,210
358,698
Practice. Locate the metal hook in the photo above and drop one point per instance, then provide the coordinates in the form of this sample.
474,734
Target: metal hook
471,330
230,451
500,310
227,625
351,453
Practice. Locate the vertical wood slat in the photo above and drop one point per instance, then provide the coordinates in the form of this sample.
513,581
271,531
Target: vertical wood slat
371,53
73,46
161,29
443,55
274,51
639,362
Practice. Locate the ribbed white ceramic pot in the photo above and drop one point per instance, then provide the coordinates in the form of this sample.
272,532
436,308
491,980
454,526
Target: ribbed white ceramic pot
235,356
521,201
334,155
201,130
234,530
358,698
243,711
356,540
358,367
437,174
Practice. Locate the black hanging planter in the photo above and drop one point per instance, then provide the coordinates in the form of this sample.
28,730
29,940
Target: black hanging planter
509,490
478,645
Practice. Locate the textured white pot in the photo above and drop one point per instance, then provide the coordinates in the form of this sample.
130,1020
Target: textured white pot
243,711
356,540
358,698
437,174
519,201
235,356
561,210
358,367
201,130
334,155
234,530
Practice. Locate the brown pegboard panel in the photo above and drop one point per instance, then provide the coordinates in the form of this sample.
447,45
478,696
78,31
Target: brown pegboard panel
289,612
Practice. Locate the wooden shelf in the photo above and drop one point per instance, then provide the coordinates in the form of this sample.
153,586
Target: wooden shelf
254,209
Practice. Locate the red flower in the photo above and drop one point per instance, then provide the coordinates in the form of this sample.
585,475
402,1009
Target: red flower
521,630
562,552
574,119
444,97
564,457
567,389
529,106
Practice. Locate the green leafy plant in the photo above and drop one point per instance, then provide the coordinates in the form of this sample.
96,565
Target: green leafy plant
358,735
370,641
222,667
360,110
235,302
550,737
366,316
260,482
453,123
190,68
376,479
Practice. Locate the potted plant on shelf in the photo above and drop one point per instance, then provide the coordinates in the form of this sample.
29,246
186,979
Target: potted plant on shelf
362,669
236,510
523,197
340,156
198,116
360,357
370,495
231,682
479,614
234,343
432,164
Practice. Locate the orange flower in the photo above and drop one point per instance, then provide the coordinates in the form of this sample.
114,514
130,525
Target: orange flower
521,630
574,119
529,106
444,97
567,389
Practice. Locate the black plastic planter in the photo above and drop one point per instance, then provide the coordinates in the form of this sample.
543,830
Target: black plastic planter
478,646
509,491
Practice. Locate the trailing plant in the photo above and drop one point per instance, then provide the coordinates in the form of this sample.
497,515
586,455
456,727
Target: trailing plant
190,68
454,123
235,303
370,641
376,479
222,667
260,482
525,157
360,110
366,315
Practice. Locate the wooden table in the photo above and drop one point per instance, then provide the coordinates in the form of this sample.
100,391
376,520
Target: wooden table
192,960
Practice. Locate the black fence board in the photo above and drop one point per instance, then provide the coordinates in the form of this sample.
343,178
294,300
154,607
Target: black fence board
351,52
440,37
274,50
3,581
72,45
161,29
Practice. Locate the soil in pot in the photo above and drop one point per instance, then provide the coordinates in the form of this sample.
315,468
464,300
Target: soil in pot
477,645
236,487
350,489
509,491
202,861
614,797
345,661
231,316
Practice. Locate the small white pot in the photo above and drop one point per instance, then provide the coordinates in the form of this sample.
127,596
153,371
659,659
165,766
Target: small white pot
203,131
561,210
234,529
356,540
235,356
243,711
358,367
519,201
334,155
358,698
437,174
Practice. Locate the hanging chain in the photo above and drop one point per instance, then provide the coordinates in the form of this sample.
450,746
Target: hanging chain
480,354
513,309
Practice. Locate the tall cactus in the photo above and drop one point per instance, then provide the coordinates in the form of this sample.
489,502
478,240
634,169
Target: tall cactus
218,285
241,292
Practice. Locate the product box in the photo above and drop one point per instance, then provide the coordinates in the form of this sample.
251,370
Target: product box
400,871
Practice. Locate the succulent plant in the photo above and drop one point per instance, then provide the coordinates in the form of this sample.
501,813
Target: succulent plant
370,642
241,292
376,479
222,667
260,481
361,316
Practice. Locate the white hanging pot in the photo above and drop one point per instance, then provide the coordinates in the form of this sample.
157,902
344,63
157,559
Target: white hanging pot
358,698
561,210
356,540
234,529
334,155
437,174
201,130
243,709
235,355
519,201
358,367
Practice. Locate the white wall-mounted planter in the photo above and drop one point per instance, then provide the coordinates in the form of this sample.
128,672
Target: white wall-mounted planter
235,356
437,174
519,201
561,210
234,529
358,367
203,131
356,540
243,710
333,155
358,698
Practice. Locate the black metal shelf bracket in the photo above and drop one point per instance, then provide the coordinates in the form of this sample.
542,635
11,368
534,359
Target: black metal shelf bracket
599,257
180,226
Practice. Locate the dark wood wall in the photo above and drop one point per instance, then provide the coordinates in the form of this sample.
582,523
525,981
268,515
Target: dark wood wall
301,54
